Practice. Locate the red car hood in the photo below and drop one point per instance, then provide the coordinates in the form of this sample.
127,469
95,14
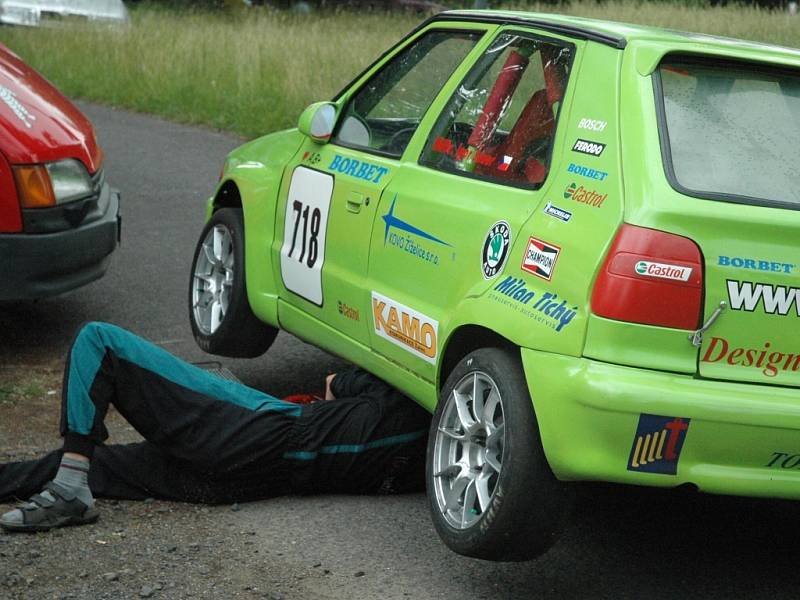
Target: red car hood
37,123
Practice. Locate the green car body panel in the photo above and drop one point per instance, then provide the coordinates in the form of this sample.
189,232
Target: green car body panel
402,234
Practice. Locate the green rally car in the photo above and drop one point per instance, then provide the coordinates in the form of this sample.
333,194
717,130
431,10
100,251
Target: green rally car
575,241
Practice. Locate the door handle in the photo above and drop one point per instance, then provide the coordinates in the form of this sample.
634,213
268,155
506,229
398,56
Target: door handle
354,202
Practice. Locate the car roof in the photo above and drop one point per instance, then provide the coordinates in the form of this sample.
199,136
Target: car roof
616,34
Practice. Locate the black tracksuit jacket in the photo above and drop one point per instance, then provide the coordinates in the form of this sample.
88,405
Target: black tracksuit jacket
211,440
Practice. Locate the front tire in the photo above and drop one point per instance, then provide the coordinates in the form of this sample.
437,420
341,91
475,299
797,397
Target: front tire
492,494
222,321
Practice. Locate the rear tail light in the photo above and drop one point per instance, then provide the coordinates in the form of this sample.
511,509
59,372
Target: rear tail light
651,277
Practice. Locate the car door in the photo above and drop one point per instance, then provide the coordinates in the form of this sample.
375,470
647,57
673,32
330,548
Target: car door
448,222
329,197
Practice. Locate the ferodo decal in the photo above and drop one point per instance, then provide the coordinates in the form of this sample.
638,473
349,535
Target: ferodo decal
772,299
540,258
359,169
545,308
657,444
587,147
22,113
755,264
405,327
495,249
766,358
305,227
662,271
584,196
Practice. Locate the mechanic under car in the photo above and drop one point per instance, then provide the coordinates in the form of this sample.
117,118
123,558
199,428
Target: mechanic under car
208,439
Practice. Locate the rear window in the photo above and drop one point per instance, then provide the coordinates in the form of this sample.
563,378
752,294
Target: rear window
729,130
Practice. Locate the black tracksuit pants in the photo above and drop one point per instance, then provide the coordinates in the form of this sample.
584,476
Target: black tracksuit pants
217,441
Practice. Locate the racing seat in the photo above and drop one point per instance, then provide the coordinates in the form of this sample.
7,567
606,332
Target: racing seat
534,127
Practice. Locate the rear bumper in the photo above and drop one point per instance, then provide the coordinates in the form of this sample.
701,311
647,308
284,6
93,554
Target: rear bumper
742,439
41,265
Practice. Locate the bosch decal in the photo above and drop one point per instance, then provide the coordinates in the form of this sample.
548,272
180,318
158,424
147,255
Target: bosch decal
772,299
406,242
584,196
540,258
591,125
586,172
765,358
357,168
405,327
495,249
558,213
547,308
657,444
663,271
587,147
756,265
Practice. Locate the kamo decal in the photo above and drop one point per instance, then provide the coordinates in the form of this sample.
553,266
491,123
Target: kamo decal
405,327
657,444
304,230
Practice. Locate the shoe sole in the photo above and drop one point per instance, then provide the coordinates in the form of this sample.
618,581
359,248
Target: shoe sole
87,518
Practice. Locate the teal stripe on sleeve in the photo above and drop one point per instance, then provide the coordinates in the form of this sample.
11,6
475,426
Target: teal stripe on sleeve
90,348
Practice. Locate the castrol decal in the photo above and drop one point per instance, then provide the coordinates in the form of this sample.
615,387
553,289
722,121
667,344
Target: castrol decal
663,271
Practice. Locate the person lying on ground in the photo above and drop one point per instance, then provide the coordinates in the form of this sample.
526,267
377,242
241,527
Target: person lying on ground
207,439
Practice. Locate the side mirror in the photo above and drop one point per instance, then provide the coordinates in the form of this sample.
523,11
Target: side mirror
317,121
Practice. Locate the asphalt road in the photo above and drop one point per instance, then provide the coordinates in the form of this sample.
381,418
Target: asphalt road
620,542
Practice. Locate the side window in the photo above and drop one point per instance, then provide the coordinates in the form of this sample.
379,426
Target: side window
385,112
500,123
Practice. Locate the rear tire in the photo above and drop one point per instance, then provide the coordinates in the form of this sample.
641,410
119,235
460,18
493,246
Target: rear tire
492,494
222,321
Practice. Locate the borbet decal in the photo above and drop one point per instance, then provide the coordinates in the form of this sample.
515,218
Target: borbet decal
587,147
495,249
586,172
657,444
357,168
540,258
756,264
772,299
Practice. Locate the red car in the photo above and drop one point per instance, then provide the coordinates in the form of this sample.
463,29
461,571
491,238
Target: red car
59,219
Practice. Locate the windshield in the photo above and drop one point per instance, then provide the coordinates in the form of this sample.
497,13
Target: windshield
730,130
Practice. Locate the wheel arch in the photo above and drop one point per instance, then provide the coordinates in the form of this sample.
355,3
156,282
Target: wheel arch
227,196
465,339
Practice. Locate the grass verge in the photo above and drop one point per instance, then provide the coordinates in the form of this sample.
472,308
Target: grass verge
253,71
